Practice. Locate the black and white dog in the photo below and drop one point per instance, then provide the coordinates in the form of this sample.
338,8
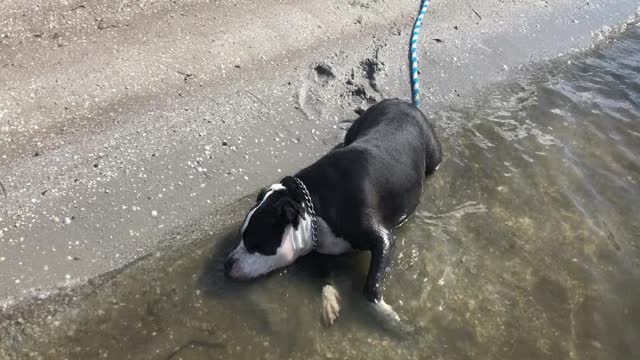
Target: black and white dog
350,199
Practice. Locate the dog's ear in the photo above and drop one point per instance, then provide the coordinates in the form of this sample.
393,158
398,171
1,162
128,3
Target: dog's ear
289,210
261,194
293,189
293,209
291,214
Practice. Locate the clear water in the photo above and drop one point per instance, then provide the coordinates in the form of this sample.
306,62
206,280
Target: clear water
526,246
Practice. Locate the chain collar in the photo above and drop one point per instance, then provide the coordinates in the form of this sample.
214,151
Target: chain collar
309,205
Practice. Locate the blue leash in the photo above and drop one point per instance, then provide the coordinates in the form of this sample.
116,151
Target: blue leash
415,89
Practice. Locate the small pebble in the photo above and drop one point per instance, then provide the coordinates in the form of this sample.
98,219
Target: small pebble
154,213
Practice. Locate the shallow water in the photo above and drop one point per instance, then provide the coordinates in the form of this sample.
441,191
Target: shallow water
526,246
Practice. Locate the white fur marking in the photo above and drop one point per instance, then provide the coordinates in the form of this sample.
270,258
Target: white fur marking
330,304
386,311
249,266
302,237
328,242
294,243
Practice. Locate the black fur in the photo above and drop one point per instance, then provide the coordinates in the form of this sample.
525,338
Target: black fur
263,233
362,189
366,187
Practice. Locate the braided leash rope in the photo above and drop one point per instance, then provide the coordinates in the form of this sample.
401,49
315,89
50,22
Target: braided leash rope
415,89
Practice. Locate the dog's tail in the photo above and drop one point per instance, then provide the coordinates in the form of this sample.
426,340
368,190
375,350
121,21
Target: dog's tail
413,54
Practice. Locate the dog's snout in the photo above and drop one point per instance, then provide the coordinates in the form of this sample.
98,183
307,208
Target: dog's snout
228,265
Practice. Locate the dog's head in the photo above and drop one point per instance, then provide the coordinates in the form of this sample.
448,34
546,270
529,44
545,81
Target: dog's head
274,233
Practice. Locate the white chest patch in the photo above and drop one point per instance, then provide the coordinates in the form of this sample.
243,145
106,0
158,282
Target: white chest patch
328,243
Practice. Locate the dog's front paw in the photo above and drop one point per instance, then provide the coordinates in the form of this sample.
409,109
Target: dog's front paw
330,304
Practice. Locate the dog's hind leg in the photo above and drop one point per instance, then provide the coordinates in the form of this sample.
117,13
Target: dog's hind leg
383,246
381,254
